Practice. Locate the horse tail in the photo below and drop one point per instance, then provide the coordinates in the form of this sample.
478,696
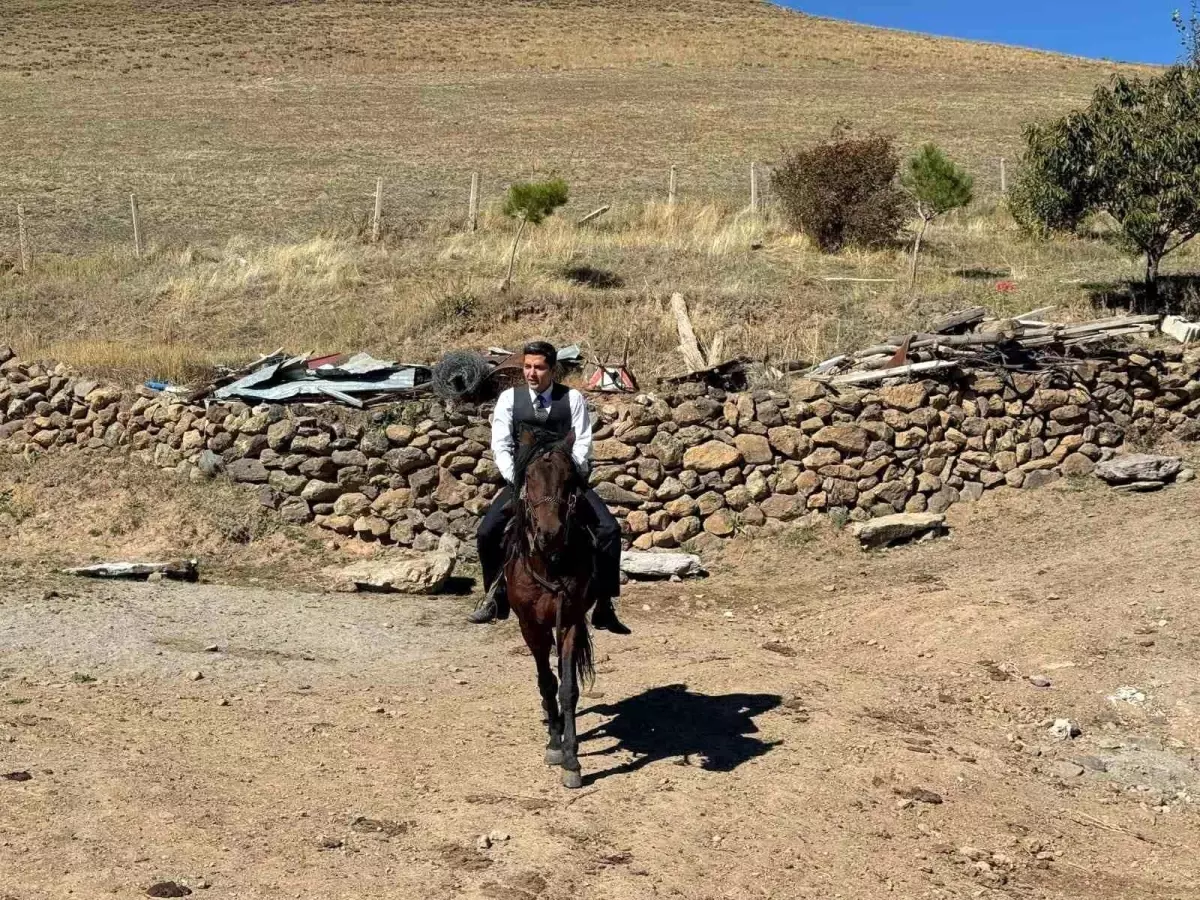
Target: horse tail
585,670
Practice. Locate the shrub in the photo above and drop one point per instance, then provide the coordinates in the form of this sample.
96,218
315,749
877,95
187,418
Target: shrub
842,191
1133,153
936,185
530,202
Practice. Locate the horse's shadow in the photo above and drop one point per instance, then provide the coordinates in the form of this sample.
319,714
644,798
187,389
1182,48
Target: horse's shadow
671,722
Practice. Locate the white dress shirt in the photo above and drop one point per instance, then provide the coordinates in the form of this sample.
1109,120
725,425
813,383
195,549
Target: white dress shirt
502,437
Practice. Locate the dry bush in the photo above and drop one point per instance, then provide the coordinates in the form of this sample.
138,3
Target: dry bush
842,191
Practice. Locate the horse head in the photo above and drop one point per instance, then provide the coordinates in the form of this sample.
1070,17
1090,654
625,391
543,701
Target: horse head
549,489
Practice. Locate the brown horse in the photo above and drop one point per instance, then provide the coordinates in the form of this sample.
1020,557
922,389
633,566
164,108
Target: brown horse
549,573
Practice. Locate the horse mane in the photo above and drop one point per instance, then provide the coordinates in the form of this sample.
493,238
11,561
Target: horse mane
544,441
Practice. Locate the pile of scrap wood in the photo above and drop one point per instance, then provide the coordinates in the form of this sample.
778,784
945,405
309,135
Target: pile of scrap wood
969,340
360,380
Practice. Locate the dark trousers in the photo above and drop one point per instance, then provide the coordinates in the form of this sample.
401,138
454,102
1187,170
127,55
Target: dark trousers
593,513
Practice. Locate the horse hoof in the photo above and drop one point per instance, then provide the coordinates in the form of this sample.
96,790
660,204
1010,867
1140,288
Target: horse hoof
572,779
554,757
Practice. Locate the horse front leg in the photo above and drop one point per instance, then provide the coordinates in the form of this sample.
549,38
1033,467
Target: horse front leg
568,699
540,641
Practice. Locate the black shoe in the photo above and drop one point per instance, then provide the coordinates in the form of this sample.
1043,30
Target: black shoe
484,614
604,617
494,606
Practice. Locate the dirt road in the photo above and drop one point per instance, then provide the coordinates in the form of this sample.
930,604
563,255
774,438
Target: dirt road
809,721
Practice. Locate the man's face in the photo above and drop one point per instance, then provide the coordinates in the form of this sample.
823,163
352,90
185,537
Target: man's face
537,373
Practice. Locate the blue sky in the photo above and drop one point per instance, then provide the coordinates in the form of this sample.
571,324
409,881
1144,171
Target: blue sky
1128,31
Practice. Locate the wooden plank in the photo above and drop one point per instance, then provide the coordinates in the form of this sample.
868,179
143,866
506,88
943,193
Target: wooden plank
473,204
688,345
378,210
22,240
137,226
932,365
716,350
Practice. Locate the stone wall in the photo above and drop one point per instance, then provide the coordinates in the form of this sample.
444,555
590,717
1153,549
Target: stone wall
673,467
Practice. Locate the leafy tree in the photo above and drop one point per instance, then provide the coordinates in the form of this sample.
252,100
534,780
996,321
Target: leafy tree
1133,153
530,202
937,186
842,191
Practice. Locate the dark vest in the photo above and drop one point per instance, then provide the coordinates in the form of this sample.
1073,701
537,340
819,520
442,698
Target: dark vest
559,419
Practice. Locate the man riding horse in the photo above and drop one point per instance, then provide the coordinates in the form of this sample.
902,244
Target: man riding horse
559,409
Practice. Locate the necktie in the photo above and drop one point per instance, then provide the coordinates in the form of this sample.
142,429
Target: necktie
543,406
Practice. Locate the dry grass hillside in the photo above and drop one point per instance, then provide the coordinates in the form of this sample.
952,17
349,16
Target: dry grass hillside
253,131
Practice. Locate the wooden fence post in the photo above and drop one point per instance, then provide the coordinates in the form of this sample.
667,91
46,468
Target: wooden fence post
473,204
22,240
378,210
753,187
671,185
1003,178
137,225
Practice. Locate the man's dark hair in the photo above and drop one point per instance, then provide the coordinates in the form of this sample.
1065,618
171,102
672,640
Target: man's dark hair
542,348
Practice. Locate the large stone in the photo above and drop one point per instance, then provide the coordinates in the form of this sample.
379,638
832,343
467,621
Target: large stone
685,529
755,449
713,456
404,459
888,530
295,511
402,571
392,504
1139,467
681,507
351,505
1076,464
321,492
722,523
614,495
660,565
450,491
845,437
905,397
782,507
667,450
694,412
248,471
789,441
613,451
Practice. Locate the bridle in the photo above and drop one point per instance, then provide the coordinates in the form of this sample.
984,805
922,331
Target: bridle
530,505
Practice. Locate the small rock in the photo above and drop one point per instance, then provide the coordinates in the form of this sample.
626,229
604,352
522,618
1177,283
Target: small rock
483,842
496,836
1067,769
1127,694
196,676
1040,681
223,702
212,648
167,889
330,843
1065,729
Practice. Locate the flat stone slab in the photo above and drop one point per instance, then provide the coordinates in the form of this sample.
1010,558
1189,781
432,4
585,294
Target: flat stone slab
637,564
401,572
888,530
1139,467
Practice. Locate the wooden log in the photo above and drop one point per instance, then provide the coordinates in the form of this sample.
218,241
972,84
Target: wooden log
671,186
716,350
688,345
594,214
958,320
